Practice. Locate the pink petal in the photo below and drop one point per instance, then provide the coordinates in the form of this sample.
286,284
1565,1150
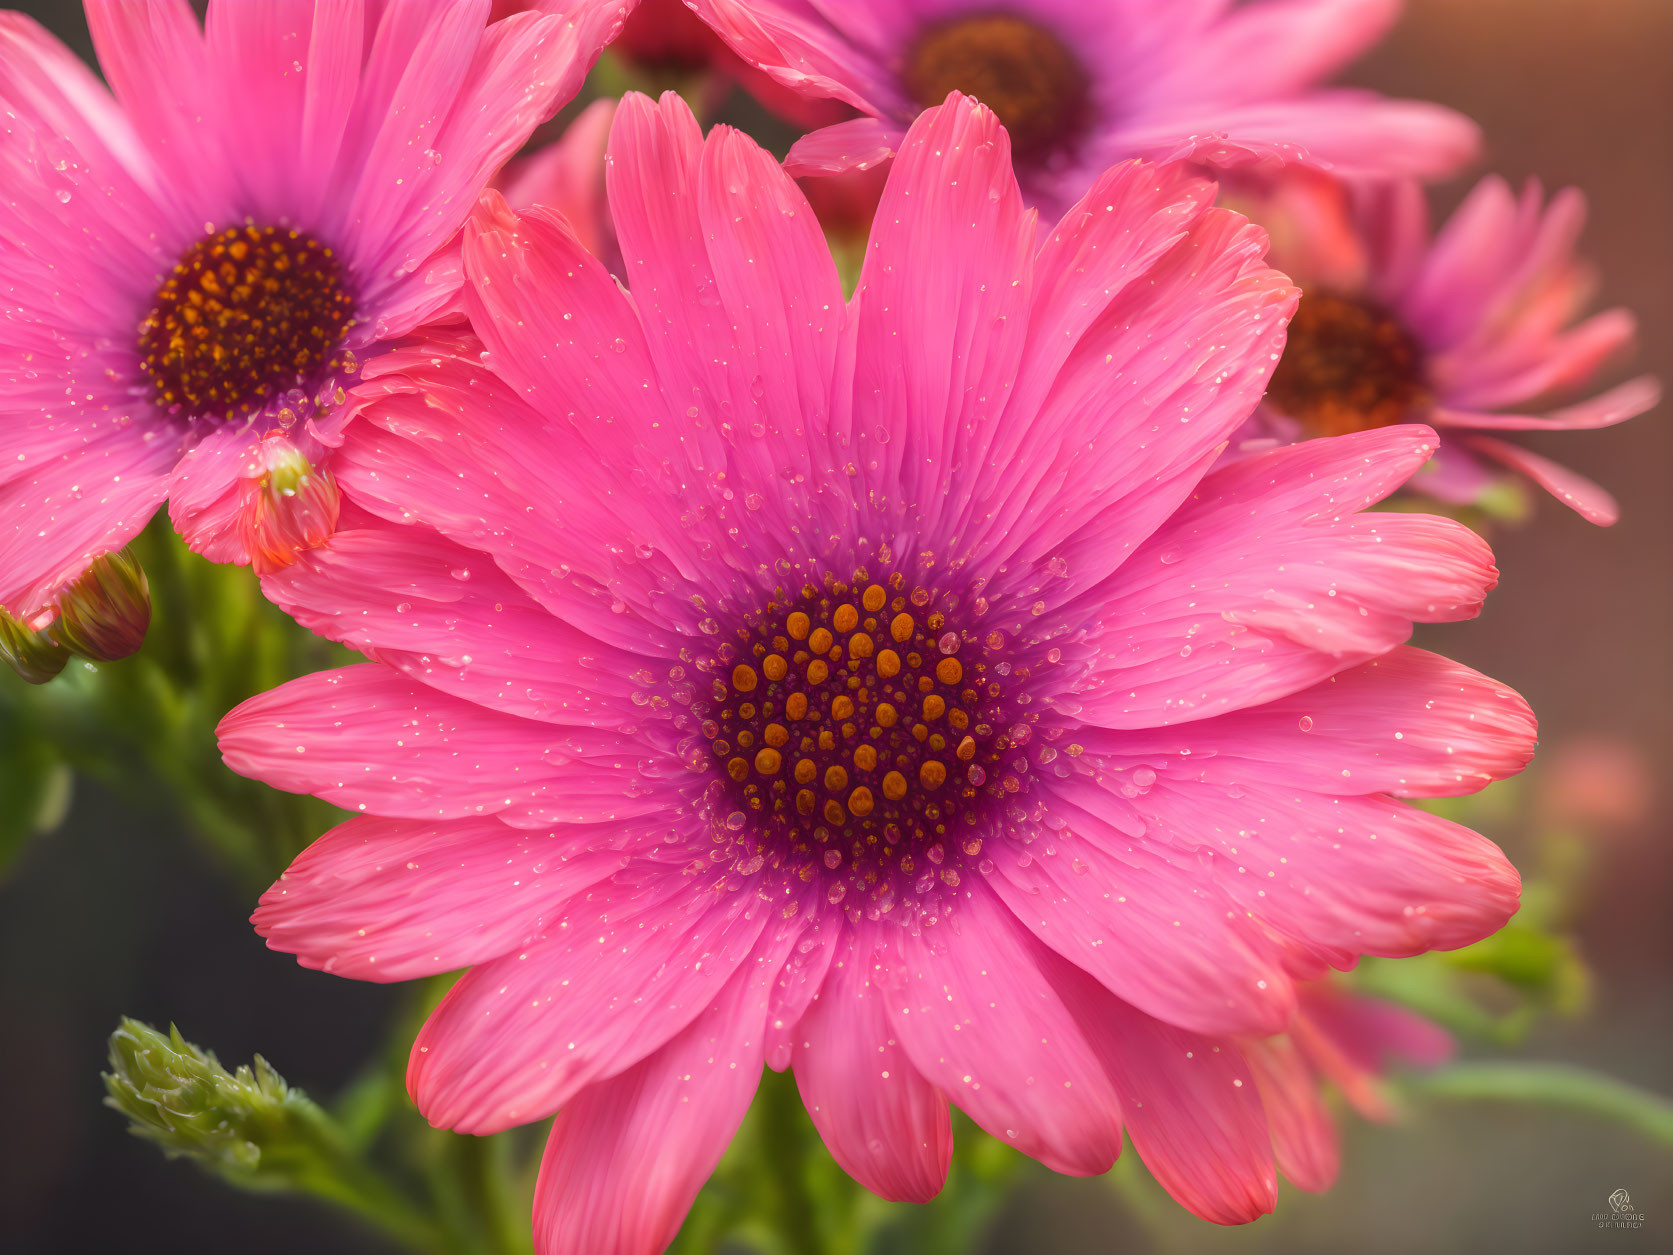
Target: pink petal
628,1155
1336,877
1587,499
206,493
396,594
803,52
368,738
1268,581
883,1122
1149,924
1287,46
619,970
1410,723
1629,400
69,493
975,1015
943,309
568,175
399,899
858,144
1189,1103
1303,1132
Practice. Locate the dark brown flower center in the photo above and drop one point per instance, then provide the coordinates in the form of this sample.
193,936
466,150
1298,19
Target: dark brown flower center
852,734
1023,73
1347,366
245,315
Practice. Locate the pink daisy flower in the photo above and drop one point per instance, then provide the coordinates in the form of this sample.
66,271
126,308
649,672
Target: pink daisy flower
1464,331
1081,84
876,689
194,269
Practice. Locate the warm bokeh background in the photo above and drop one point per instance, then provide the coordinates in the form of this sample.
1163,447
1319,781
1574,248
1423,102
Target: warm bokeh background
116,913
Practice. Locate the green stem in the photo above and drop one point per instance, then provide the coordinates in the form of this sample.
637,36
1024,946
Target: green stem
1552,1085
785,1137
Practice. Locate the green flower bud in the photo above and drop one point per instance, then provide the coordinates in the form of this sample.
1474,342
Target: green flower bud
33,655
180,1097
104,614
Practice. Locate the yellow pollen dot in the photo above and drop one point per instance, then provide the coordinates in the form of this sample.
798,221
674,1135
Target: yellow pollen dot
817,670
777,734
860,646
949,671
842,708
934,707
900,627
835,779
827,740
746,710
888,664
797,625
738,769
846,618
834,813
894,786
821,641
795,706
805,801
859,802
932,775
874,598
886,715
865,757
806,771
743,678
775,667
746,738
767,762
958,719
937,742
967,748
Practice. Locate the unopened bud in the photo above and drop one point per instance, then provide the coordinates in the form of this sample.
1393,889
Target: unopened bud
181,1098
288,506
33,655
103,615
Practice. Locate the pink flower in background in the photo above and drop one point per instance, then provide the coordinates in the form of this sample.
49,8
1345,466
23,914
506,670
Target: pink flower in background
568,175
884,690
1081,84
199,266
1464,331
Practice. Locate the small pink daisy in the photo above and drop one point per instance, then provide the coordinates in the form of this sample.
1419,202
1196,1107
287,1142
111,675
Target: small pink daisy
1081,84
194,269
1464,332
878,689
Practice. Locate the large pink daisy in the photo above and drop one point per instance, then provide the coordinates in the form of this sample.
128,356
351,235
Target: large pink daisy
1470,330
1084,83
877,689
210,256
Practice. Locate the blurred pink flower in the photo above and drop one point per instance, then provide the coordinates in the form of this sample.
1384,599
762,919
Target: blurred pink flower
568,175
1081,84
204,261
877,689
1461,331
1598,781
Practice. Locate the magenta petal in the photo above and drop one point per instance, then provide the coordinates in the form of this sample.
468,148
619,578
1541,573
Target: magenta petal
206,493
1190,1105
858,144
399,899
973,1012
1304,1136
1589,500
628,1155
884,1123
367,738
616,971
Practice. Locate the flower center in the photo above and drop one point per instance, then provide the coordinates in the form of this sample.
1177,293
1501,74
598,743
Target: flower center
245,315
853,735
1347,366
1023,73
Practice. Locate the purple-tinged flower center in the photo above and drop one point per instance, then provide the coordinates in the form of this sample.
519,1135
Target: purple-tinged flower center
1023,73
859,737
1347,366
245,315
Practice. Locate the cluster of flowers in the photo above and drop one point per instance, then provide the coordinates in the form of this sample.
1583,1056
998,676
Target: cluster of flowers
980,690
